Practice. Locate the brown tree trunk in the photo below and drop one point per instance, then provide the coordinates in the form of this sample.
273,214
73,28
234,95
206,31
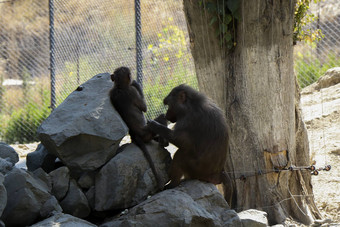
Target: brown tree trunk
255,84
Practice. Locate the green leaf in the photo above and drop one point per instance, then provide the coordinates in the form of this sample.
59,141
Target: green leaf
228,36
233,5
228,18
213,20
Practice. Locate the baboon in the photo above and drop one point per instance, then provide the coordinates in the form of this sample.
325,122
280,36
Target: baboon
128,99
200,133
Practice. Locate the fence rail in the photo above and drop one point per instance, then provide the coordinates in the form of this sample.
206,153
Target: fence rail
97,36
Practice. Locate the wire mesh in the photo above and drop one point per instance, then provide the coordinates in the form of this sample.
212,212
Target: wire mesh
97,36
313,59
89,38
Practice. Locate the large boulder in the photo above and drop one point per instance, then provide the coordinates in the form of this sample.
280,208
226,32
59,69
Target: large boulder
85,130
64,220
127,179
193,203
25,198
7,152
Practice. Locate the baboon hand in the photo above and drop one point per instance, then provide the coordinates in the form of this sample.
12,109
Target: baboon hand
153,125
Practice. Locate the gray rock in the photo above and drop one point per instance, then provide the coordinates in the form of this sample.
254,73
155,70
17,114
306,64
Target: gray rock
85,130
5,166
50,207
7,152
3,194
75,202
253,218
64,220
44,178
86,180
90,195
60,182
127,179
193,203
25,197
40,158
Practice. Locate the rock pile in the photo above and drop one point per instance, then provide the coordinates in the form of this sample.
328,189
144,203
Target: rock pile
80,175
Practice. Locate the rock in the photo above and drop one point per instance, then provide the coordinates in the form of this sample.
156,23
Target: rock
127,179
90,195
331,77
44,178
7,152
5,166
25,197
193,203
50,207
3,194
75,202
40,158
64,220
86,180
85,130
253,218
60,182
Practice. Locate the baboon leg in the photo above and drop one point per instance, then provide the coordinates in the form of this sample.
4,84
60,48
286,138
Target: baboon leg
175,171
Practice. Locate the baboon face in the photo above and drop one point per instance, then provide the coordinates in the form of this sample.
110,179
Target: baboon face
121,76
176,102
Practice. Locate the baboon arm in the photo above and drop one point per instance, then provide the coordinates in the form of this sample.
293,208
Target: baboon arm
163,131
140,101
138,87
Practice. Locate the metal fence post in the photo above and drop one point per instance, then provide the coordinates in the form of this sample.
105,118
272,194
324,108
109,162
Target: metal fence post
139,56
52,62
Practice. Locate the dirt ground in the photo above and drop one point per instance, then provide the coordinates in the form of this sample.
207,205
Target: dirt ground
321,112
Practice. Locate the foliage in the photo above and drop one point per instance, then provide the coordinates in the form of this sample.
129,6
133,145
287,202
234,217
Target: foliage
157,90
169,61
171,48
309,69
302,19
224,13
22,121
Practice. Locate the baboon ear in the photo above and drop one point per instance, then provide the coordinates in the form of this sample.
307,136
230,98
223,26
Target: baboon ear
112,77
182,96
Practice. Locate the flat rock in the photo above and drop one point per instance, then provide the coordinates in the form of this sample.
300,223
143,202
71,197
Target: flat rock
193,203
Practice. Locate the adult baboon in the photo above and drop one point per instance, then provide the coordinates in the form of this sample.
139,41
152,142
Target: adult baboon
200,133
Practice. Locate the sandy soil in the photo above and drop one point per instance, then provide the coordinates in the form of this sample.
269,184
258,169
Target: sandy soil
321,112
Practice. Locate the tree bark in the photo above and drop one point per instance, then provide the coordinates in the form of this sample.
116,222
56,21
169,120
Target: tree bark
255,84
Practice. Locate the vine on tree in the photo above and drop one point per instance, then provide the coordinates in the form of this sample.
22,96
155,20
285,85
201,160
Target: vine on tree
225,13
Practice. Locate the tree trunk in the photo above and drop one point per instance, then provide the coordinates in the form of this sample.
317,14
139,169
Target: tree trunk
255,84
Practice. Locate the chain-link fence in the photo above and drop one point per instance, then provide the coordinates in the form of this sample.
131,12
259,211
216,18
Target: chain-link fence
89,38
97,36
313,59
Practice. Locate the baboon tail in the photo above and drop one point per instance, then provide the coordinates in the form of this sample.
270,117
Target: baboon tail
140,143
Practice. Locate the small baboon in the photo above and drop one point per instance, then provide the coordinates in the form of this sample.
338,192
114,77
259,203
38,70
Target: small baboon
200,133
128,99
